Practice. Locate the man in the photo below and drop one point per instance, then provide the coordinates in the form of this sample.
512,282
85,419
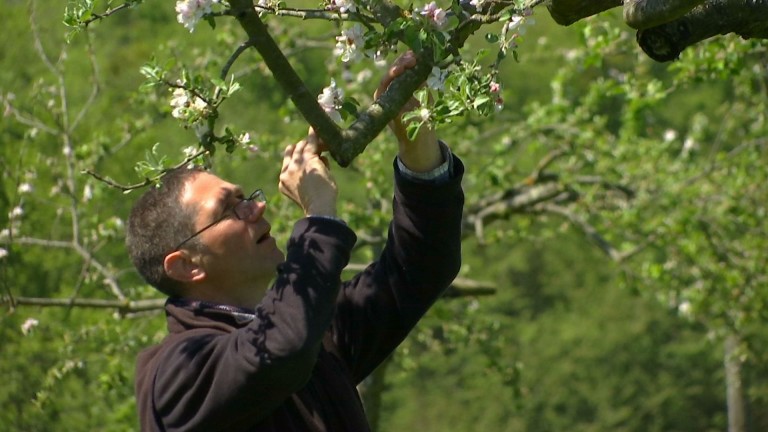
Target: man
244,357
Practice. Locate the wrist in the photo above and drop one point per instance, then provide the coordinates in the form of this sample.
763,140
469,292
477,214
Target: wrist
422,159
328,210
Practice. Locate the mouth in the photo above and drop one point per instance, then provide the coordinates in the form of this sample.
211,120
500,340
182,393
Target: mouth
264,237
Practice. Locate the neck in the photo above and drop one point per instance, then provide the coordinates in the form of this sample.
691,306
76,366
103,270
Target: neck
245,296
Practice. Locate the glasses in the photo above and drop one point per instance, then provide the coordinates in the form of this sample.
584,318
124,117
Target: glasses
242,210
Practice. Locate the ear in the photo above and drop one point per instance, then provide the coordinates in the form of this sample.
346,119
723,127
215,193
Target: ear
180,266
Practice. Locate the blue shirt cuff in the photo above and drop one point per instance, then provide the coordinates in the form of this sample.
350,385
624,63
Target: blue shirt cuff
438,175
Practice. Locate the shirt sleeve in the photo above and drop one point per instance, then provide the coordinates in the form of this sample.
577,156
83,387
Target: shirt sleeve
379,306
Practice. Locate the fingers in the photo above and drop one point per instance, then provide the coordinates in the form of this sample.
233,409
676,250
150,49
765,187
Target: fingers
298,155
403,63
287,156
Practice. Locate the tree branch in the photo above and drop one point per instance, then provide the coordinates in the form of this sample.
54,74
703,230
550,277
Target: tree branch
344,145
306,14
641,14
108,12
283,72
147,181
567,12
123,306
665,42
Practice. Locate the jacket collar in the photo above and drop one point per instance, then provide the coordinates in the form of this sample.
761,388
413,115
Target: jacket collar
183,314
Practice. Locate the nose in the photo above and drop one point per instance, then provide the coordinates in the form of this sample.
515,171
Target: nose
255,210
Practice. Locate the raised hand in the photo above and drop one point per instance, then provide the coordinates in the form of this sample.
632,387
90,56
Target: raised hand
421,154
306,177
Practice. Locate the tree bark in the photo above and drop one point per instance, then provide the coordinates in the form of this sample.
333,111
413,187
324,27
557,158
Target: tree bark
734,390
747,18
642,14
567,12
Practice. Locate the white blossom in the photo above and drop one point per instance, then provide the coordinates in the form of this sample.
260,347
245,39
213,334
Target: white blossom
189,151
28,325
184,104
87,192
189,12
479,4
424,114
16,213
350,43
25,188
689,145
436,79
670,135
330,100
3,253
5,233
343,6
201,130
364,75
519,23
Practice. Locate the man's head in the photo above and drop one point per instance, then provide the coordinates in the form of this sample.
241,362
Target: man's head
158,221
230,260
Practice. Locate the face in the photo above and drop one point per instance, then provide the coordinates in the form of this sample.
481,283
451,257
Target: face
236,253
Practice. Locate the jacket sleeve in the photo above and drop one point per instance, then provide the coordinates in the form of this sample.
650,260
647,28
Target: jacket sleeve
422,256
226,380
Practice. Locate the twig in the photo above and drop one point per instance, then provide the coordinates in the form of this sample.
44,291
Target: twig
322,14
545,162
147,181
240,49
107,13
96,87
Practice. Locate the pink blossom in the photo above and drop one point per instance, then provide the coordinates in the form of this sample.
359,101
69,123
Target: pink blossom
189,12
28,325
435,14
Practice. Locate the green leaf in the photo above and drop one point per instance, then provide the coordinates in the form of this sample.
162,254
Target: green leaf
210,20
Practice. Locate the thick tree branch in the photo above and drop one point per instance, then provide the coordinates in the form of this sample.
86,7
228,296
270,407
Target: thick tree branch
747,18
286,76
641,14
567,12
344,145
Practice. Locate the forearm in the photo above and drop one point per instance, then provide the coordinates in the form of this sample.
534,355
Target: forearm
425,234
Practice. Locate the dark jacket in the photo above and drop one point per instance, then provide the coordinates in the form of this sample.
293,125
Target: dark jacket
293,363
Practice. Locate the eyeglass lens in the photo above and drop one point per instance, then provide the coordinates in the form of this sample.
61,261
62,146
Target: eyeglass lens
244,208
